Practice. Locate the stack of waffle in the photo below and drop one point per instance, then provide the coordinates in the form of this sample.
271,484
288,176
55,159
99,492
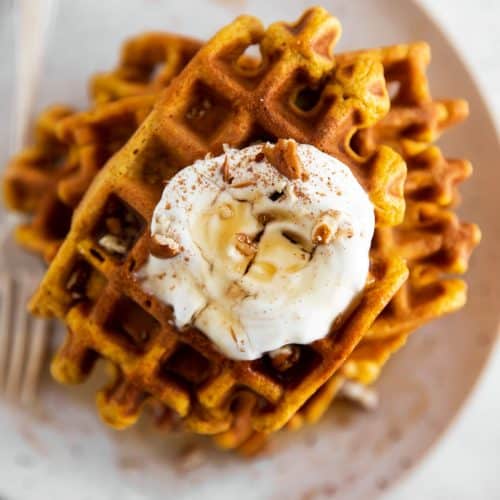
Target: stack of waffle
372,109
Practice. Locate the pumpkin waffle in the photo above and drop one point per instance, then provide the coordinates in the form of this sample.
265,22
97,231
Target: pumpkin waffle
37,168
297,92
148,62
432,239
435,243
91,137
70,148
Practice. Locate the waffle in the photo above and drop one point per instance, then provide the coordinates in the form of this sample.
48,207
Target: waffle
148,62
37,168
432,239
49,179
92,137
297,92
415,119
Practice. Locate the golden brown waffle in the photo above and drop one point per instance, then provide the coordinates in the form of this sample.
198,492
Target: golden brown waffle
92,137
434,241
433,177
435,244
415,119
296,92
37,168
50,178
148,63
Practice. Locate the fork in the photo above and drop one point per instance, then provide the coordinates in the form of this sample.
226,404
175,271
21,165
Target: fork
23,338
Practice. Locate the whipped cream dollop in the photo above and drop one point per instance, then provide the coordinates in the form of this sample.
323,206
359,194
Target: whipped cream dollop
255,256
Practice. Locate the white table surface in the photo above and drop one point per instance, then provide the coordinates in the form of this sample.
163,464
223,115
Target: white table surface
465,464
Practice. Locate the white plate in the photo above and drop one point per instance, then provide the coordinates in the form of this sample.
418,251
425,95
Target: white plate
65,452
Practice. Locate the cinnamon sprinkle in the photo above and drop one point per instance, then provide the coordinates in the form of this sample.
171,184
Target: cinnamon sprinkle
284,157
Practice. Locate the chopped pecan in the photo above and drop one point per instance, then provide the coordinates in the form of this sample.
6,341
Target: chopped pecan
364,396
113,244
244,184
327,228
245,244
164,247
225,212
113,225
77,282
285,357
226,174
322,234
284,157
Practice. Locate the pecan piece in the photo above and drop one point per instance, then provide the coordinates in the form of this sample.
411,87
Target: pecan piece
322,234
285,357
364,396
164,247
226,174
113,244
245,245
284,157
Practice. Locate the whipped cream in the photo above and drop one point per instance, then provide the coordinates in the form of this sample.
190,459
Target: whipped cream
255,259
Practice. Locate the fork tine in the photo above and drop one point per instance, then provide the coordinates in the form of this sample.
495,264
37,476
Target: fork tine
7,291
20,333
40,335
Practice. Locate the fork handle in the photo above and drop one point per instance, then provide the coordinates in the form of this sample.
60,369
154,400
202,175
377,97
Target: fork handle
40,336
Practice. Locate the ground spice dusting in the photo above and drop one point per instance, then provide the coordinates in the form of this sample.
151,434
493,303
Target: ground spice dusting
301,194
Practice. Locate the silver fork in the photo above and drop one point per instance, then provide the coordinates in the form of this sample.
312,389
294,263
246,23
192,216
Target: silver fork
23,338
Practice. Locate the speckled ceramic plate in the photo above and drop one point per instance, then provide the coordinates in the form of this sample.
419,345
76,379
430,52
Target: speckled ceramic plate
65,452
